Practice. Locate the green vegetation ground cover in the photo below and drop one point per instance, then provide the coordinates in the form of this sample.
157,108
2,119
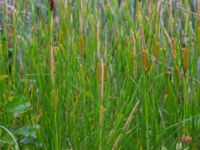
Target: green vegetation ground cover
100,75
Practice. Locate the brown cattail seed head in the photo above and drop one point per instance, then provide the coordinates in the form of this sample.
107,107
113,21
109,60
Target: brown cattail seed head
82,44
185,60
173,49
145,61
99,72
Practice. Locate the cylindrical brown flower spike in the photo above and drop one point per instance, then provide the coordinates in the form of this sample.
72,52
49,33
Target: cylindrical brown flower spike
173,48
145,61
185,60
99,72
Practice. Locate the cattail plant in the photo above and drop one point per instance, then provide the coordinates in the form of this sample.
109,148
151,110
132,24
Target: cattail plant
52,61
185,60
52,64
173,49
99,72
52,69
145,61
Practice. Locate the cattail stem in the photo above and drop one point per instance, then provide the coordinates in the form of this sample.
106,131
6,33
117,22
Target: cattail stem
52,63
52,70
101,111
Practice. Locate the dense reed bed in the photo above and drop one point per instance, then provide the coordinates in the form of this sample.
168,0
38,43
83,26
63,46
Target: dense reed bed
86,74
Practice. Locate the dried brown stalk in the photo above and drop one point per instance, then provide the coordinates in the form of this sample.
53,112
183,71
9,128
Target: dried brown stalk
52,62
126,125
99,72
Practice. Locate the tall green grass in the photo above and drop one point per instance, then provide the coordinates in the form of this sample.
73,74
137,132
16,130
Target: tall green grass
68,107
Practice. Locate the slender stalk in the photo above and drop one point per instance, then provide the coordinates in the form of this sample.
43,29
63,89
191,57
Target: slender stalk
52,63
126,125
52,69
